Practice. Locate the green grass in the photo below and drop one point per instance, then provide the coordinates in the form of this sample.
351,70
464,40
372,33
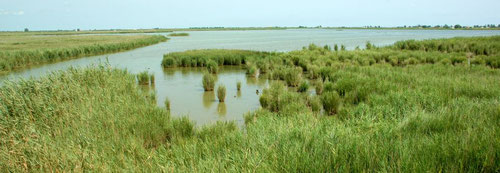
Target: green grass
221,93
208,82
178,34
200,58
424,116
23,51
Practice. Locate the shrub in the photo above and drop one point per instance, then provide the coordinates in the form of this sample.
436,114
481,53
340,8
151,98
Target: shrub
208,82
212,67
221,93
303,87
331,102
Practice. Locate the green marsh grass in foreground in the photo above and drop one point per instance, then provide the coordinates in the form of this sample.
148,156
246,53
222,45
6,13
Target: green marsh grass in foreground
21,51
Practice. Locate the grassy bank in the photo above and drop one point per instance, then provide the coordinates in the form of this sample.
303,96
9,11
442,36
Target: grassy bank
178,34
374,114
23,51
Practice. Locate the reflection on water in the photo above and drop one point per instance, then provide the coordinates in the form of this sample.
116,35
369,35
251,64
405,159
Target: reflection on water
208,99
221,109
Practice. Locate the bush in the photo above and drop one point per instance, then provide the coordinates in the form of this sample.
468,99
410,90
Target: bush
208,82
304,87
331,102
221,93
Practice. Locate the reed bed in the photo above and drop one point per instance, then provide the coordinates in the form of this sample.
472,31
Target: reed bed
17,52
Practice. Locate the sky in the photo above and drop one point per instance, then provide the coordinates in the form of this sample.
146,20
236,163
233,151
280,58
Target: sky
135,14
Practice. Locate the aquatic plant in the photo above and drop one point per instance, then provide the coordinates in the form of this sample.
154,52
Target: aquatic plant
47,49
144,78
167,104
331,102
319,87
212,67
252,70
208,82
293,76
221,93
303,87
238,86
168,62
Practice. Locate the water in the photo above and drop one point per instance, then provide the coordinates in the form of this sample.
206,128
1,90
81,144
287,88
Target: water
183,86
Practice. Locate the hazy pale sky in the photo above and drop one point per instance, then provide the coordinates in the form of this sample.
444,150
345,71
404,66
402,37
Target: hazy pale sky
106,14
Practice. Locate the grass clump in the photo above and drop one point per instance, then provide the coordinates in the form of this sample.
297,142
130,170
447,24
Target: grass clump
208,82
252,70
303,87
331,102
145,78
168,62
212,67
221,93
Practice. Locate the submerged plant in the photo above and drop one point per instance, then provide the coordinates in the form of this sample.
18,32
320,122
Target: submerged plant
221,93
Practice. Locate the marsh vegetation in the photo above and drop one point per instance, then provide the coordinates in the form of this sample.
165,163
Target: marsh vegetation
411,108
21,51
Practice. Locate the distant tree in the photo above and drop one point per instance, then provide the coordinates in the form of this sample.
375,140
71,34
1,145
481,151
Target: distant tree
78,30
26,30
457,26
446,26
